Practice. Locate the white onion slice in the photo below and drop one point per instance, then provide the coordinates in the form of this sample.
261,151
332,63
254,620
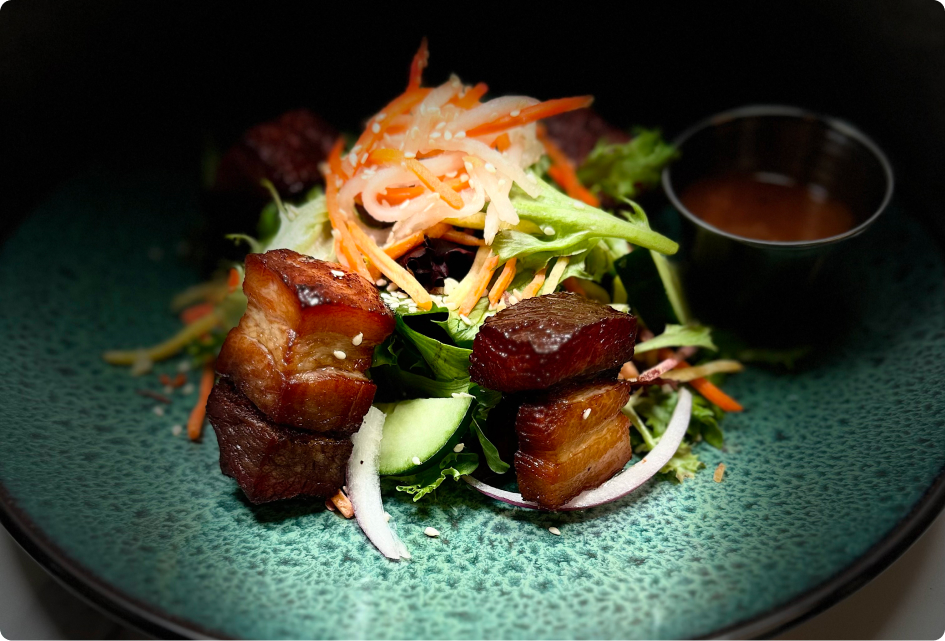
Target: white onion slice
625,482
364,486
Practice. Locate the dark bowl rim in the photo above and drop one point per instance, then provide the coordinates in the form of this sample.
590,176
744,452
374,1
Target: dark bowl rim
837,124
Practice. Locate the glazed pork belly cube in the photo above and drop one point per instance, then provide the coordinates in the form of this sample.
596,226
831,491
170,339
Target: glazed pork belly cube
272,462
545,340
571,438
300,351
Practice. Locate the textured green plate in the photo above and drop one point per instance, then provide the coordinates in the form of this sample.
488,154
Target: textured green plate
831,472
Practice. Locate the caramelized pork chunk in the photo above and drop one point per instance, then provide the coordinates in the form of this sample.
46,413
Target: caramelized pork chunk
269,461
571,438
543,341
300,351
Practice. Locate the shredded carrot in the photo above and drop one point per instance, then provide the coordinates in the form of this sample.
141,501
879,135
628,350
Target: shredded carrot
433,183
480,284
572,285
532,288
385,155
346,250
165,380
531,114
471,97
462,238
197,415
712,393
401,247
179,381
420,61
502,283
397,195
502,142
396,107
233,280
196,312
562,171
394,272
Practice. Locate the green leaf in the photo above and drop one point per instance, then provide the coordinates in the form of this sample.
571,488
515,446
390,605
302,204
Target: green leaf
621,170
683,465
447,362
576,228
462,333
254,246
453,466
678,336
493,460
705,421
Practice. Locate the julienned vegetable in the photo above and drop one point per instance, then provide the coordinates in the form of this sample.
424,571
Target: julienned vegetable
446,165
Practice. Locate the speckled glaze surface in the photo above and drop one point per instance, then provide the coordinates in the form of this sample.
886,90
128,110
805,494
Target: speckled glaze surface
821,467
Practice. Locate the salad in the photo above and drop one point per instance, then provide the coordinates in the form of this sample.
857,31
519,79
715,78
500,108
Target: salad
347,336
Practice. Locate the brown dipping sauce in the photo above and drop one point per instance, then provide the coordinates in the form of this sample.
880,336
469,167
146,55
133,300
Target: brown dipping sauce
766,206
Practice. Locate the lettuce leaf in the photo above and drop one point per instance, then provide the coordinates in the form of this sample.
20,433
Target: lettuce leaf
453,465
573,228
679,336
622,170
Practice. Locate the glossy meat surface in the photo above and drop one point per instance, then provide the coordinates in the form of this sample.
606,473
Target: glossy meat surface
294,353
269,461
545,340
552,424
553,481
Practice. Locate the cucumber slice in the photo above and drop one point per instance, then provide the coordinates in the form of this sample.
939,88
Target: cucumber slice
418,429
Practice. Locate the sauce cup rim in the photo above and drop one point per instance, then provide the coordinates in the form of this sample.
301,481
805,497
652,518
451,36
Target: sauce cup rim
830,122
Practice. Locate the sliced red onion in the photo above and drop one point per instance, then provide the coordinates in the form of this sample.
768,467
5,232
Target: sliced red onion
656,371
625,482
364,486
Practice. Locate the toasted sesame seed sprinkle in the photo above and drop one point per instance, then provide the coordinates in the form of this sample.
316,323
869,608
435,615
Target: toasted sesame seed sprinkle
380,282
364,158
515,113
339,354
158,410
410,154
554,531
379,117
431,532
187,389
549,231
459,447
490,167
353,158
465,319
434,135
579,205
440,125
376,128
464,177
356,149
462,395
337,273
459,135
357,339
177,430
447,135
415,460
586,413
501,182
468,166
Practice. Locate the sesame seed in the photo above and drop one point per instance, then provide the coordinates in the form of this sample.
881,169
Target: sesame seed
183,366
415,460
465,319
462,395
447,135
515,113
460,134
364,158
167,389
379,117
187,389
386,517
410,154
554,531
356,149
339,354
440,125
380,282
353,158
339,182
586,413
501,182
357,339
158,410
579,205
376,128
459,447
337,273
434,135
431,532
177,430
464,177
468,166
490,167
549,231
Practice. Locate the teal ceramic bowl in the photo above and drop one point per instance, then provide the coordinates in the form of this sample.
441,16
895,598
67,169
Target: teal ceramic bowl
832,471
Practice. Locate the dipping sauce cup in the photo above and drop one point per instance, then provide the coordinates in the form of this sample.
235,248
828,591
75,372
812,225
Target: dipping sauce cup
770,198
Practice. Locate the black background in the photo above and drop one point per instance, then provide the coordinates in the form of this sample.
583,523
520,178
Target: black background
147,81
